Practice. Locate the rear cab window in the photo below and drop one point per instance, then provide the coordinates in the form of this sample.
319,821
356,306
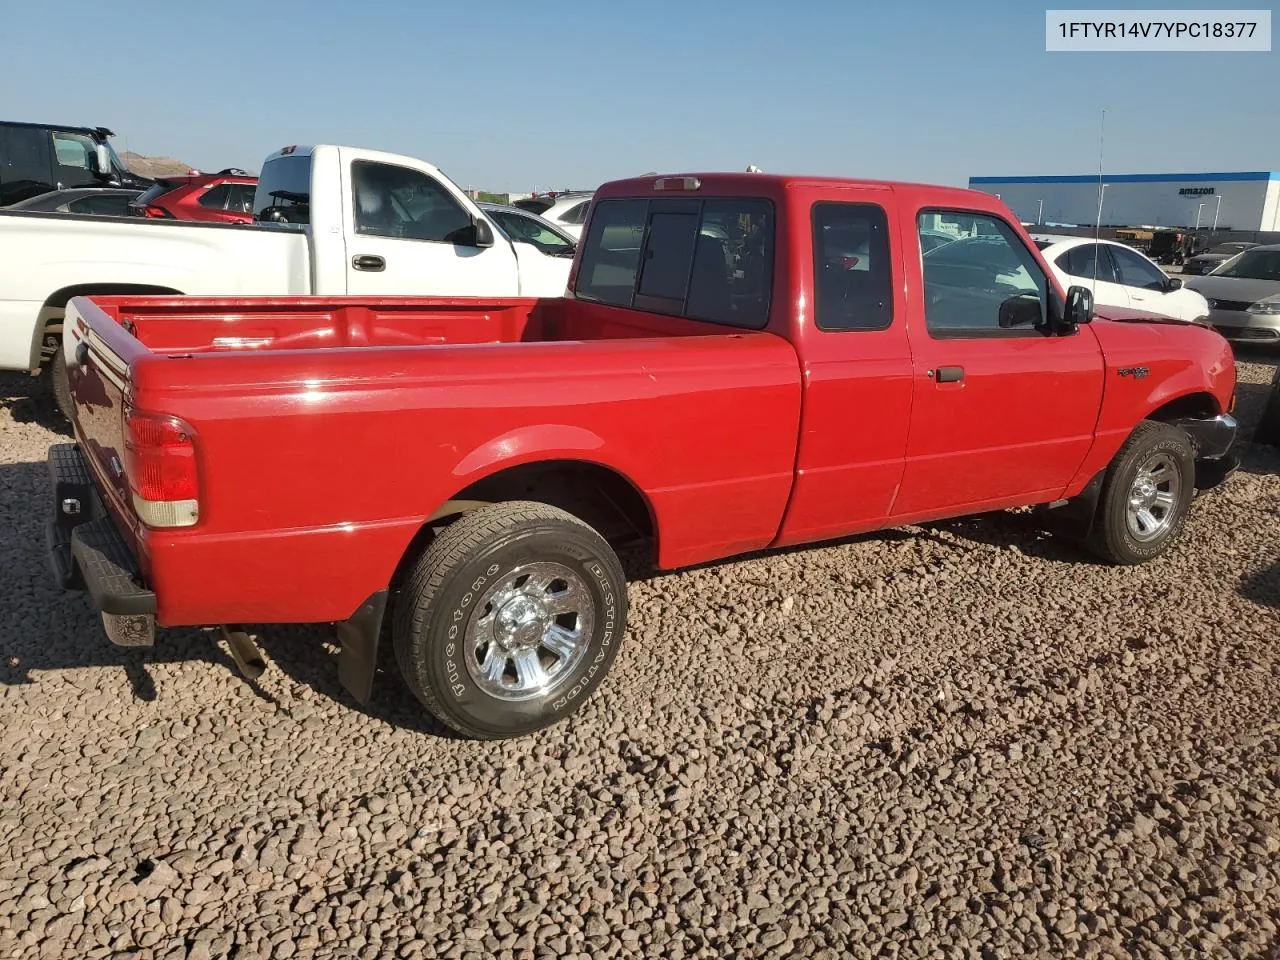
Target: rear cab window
283,193
704,258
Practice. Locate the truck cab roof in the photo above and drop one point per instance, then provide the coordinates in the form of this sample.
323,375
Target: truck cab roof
766,184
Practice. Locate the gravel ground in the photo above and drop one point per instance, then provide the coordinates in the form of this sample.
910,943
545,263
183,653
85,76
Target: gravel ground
960,740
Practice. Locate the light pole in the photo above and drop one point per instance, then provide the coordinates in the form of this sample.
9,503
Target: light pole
1040,213
1217,210
1198,209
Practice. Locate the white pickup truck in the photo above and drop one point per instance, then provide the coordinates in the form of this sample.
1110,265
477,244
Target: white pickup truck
329,220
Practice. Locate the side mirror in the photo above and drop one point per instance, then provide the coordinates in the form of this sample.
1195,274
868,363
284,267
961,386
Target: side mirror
102,161
1021,310
1171,284
477,233
1079,305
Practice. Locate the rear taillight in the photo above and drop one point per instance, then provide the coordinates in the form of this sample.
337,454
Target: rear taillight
160,462
156,213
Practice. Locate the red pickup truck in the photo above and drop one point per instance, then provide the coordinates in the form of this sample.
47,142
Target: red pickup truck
741,361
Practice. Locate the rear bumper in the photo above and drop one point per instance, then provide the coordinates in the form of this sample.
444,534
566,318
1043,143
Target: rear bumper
86,552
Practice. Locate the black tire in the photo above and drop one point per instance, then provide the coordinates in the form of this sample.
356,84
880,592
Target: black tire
1110,537
59,385
1268,429
477,554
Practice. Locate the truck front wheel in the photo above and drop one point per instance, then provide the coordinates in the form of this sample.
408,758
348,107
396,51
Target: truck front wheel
510,619
1145,495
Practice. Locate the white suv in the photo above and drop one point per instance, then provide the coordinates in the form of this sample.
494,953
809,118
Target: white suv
568,211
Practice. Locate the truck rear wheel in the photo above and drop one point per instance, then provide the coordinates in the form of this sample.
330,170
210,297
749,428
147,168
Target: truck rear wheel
60,385
510,619
1145,495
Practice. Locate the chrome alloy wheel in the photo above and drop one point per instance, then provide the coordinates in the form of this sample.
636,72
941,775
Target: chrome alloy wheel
529,631
1153,497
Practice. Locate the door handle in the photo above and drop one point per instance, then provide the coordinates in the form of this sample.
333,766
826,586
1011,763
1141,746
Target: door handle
368,262
947,374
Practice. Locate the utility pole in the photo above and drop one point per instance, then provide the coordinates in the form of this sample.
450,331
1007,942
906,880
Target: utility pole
1040,213
1217,210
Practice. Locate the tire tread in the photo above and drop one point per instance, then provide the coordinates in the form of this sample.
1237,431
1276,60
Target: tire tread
433,569
1102,540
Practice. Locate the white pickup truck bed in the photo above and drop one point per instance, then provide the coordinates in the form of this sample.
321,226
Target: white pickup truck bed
47,257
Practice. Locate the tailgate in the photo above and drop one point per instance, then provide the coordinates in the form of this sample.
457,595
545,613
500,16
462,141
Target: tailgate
98,353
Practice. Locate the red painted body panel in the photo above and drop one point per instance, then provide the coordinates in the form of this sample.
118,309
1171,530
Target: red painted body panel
319,465
328,430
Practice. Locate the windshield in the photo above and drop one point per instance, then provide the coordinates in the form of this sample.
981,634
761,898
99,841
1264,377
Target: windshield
1231,249
116,162
1252,265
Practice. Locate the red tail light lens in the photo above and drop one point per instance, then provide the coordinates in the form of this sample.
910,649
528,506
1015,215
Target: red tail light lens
160,462
156,213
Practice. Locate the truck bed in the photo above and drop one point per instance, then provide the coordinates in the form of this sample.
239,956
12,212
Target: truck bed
329,430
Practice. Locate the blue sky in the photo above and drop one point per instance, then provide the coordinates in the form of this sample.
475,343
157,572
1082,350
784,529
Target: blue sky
509,96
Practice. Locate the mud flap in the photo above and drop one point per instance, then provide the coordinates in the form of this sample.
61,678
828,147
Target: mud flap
358,658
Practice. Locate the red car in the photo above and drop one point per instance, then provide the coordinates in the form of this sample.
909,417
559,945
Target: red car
222,197
463,470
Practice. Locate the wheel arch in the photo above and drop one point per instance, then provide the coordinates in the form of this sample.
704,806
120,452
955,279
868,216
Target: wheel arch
597,493
49,321
1197,404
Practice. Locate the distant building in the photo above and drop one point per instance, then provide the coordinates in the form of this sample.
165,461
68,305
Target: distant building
1240,201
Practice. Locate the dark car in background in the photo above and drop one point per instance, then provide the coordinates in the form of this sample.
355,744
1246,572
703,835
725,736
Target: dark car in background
97,201
1202,263
1244,295
222,197
38,157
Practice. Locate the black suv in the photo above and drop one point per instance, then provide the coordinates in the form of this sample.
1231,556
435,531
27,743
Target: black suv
38,157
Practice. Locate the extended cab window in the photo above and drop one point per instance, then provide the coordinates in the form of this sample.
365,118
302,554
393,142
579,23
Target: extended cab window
974,282
853,288
702,259
392,201
284,190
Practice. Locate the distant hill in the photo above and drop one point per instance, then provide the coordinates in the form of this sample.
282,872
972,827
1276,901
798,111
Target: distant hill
153,167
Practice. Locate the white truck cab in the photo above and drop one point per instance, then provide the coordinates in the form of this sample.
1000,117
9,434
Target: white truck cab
381,223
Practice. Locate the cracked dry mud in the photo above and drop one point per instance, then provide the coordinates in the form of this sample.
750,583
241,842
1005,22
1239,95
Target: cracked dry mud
959,740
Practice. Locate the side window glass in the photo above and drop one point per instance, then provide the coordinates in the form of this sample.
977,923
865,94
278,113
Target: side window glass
116,205
25,163
853,286
984,284
611,252
392,201
74,156
577,214
1081,264
215,198
1135,271
241,199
